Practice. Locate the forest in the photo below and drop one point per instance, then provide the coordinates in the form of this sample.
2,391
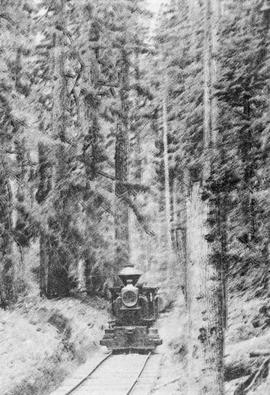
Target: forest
133,137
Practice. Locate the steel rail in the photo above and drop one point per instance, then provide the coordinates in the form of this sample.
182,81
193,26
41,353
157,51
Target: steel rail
90,374
139,375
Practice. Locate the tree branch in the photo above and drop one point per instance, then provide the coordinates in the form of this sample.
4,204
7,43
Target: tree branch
248,384
141,187
8,18
46,12
138,215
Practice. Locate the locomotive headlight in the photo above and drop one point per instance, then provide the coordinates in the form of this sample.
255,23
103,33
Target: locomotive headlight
130,295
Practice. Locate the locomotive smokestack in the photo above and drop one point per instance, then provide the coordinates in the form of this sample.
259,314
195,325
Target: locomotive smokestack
130,273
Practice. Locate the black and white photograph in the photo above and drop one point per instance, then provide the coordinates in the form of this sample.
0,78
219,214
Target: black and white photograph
134,197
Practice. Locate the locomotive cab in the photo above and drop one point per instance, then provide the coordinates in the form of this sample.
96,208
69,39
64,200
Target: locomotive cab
135,309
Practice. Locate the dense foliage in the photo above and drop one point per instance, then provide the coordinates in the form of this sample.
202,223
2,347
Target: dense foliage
72,93
240,159
83,162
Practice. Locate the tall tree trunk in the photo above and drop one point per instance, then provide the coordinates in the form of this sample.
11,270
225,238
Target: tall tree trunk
138,125
167,193
205,290
184,271
174,211
121,171
139,241
176,237
91,132
22,216
216,12
43,263
6,240
59,260
60,90
44,188
179,199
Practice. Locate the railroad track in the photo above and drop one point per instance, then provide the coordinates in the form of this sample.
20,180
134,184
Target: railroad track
122,374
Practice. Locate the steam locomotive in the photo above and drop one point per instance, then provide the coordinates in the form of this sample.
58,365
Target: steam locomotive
135,309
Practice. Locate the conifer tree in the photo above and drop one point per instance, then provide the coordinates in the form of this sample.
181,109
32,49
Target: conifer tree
205,286
15,87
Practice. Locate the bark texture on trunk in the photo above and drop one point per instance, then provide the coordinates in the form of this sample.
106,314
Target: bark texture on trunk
138,126
121,220
90,126
216,12
205,287
6,240
43,264
205,342
167,192
44,188
22,233
58,264
180,226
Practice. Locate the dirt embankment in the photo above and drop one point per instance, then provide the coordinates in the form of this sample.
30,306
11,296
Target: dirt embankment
42,341
247,348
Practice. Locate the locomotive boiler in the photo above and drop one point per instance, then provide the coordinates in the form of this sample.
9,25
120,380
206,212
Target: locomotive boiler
135,310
